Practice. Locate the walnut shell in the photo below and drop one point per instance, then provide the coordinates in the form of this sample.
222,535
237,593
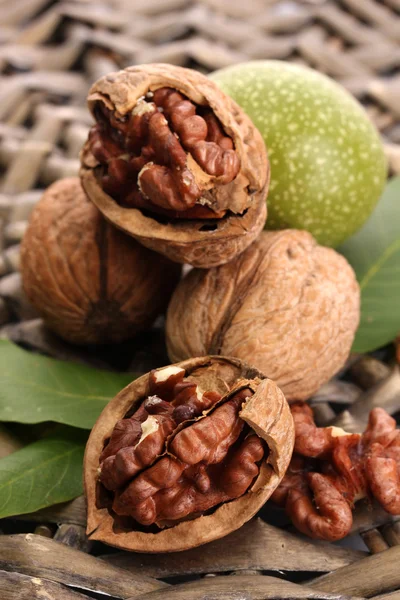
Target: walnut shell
266,412
91,283
200,242
286,305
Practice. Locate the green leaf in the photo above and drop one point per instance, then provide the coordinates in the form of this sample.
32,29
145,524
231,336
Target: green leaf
41,474
35,388
374,253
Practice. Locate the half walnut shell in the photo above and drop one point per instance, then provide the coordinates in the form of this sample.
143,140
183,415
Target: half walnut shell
175,163
185,455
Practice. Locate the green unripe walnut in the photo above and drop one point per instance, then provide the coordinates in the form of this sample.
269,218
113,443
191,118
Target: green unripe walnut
328,168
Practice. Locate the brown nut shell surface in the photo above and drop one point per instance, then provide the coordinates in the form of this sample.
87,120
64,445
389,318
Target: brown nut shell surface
266,412
91,283
286,305
200,242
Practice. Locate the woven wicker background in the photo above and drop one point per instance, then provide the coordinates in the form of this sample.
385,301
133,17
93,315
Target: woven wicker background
50,52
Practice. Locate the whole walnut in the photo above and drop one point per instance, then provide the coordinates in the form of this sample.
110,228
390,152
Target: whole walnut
286,305
175,163
186,454
91,283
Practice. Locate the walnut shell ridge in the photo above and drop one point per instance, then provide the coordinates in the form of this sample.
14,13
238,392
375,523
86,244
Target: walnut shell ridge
267,413
286,305
196,242
89,281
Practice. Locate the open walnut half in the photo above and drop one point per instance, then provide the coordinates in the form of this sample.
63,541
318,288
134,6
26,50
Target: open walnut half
175,163
185,455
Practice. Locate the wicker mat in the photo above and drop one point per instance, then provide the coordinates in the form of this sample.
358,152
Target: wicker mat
50,52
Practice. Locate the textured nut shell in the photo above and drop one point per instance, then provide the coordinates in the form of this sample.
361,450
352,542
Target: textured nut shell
272,420
186,241
286,305
91,283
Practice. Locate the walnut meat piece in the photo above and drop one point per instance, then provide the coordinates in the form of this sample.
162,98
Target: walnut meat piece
159,479
91,283
286,305
332,469
175,163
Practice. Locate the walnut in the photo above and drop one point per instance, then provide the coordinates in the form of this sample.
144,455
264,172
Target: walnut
160,478
331,470
286,305
175,163
91,283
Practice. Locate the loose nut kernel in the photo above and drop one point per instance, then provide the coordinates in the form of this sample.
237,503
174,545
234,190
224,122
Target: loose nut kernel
310,440
161,165
163,480
331,470
286,305
91,283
